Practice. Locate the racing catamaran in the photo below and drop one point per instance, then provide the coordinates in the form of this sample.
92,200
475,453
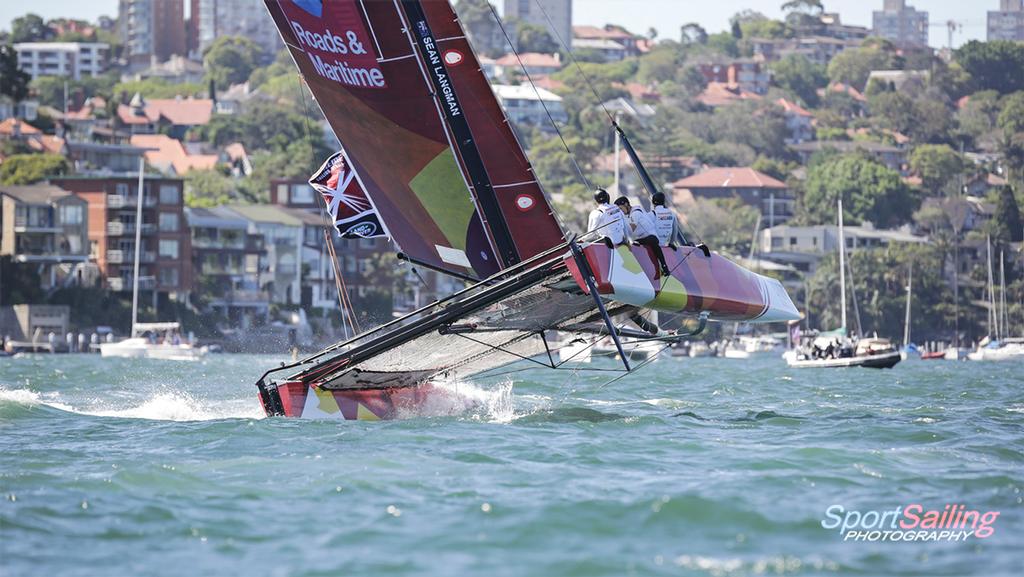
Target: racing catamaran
430,160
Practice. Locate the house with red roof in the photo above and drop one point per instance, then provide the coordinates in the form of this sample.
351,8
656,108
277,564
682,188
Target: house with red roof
769,195
169,155
535,63
142,116
722,94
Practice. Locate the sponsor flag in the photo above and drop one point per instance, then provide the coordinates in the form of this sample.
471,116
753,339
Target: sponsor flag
347,203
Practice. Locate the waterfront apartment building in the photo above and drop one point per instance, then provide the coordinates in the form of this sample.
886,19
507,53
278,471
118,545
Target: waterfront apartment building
227,261
802,247
73,60
1007,23
904,25
525,106
165,253
151,30
558,11
44,226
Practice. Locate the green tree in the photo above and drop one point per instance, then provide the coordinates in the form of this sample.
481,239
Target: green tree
13,81
28,28
800,76
852,67
804,15
870,191
31,168
997,65
759,125
693,33
1011,118
756,25
723,43
1007,224
157,88
206,188
879,279
230,60
979,115
937,165
725,224
481,27
661,64
533,38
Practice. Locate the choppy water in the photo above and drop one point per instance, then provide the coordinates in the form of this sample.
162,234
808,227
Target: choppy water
692,467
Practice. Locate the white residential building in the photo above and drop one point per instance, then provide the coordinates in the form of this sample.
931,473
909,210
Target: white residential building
69,59
525,105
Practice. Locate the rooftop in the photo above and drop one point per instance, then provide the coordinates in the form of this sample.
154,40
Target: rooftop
35,193
11,125
534,59
181,111
265,214
167,153
524,92
216,217
723,93
729,177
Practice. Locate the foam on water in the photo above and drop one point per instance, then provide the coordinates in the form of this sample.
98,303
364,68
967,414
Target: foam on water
163,406
492,403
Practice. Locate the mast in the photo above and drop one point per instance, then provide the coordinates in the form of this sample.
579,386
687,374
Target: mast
906,321
993,323
842,265
139,197
1004,321
617,156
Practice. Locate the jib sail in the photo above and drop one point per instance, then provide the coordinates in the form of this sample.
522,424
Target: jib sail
421,129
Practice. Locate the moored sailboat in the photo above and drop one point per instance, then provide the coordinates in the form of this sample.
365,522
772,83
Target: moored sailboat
835,349
431,161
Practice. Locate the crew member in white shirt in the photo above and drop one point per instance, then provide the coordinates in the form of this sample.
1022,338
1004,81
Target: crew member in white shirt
607,221
642,230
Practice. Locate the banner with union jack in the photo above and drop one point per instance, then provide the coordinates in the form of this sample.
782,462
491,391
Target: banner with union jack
347,203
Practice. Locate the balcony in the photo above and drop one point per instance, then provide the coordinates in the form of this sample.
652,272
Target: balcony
118,201
128,228
22,224
118,284
227,244
127,257
217,268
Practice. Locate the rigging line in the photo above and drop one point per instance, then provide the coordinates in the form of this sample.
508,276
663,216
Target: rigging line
638,367
586,181
322,205
568,50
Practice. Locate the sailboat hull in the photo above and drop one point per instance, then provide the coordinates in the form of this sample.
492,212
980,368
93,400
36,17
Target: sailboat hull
697,284
299,400
878,361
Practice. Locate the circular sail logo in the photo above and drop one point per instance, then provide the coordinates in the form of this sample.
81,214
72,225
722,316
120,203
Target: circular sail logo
363,229
453,58
524,202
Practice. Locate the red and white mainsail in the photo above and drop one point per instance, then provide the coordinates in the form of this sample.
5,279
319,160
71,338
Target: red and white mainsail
421,130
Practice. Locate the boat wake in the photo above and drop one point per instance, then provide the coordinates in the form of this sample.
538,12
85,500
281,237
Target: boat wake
162,406
460,398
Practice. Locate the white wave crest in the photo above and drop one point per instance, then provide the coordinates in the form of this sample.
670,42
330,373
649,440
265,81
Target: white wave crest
164,406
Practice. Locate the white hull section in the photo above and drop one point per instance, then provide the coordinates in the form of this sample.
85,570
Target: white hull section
138,348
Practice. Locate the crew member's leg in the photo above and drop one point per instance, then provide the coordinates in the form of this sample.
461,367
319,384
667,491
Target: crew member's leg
652,241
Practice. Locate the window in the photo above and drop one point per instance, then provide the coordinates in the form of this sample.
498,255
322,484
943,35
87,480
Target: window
121,189
792,241
282,193
71,214
94,249
302,194
168,222
169,277
169,194
169,249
